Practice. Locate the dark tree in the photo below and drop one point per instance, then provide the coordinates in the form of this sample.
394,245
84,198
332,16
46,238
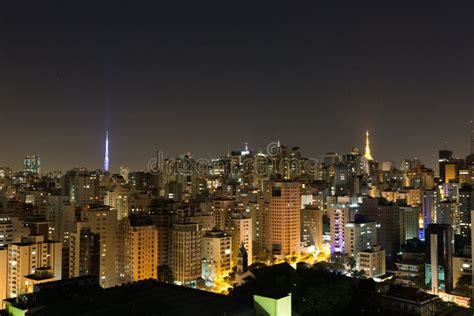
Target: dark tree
414,245
165,274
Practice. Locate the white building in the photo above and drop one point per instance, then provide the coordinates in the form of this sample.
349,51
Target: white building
242,233
359,236
216,256
27,256
372,262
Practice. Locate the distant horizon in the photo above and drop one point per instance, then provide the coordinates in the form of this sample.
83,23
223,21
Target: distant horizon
115,165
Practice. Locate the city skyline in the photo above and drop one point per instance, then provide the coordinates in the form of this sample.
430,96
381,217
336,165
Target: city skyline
200,78
244,146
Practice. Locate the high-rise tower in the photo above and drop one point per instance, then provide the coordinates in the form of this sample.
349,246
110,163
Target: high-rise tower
284,220
106,158
367,154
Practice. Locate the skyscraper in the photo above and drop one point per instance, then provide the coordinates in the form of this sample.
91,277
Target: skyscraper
339,216
466,204
387,215
285,218
312,227
410,221
3,274
186,253
106,158
137,257
31,164
102,222
241,233
439,256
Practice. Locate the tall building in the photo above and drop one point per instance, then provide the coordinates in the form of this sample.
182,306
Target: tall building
82,187
339,216
26,257
259,213
137,255
222,209
162,218
359,235
3,274
312,227
439,255
216,255
60,214
466,204
429,204
390,230
119,198
444,157
186,253
31,164
124,172
242,234
84,251
448,212
464,177
410,217
342,182
97,227
450,172
285,218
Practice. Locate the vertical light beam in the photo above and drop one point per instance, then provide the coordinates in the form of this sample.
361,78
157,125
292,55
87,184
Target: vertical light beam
106,158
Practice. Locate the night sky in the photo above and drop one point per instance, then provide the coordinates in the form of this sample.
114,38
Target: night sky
200,76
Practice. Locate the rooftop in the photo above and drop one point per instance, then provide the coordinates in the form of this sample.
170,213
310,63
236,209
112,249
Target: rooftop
409,294
140,298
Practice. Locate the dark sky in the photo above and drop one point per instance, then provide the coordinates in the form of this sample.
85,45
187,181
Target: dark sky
197,76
